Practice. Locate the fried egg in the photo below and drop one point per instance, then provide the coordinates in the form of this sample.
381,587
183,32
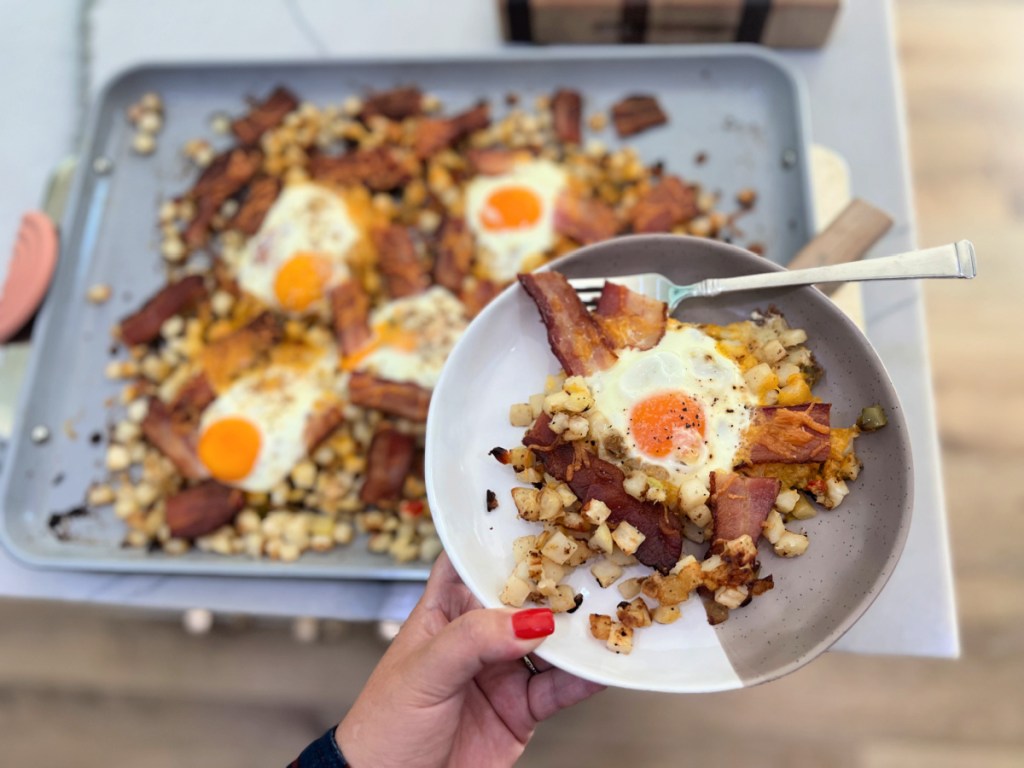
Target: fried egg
681,405
412,337
512,215
254,432
301,249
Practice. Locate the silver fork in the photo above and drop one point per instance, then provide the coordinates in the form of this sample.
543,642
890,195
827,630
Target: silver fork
952,260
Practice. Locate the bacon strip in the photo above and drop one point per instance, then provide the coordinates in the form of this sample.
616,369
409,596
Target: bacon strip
594,478
491,161
573,334
585,220
434,134
388,462
264,115
664,206
404,272
399,398
202,509
381,169
477,294
795,434
396,104
636,114
175,437
143,326
226,357
350,308
320,424
739,505
454,254
259,198
192,399
224,177
629,319
566,109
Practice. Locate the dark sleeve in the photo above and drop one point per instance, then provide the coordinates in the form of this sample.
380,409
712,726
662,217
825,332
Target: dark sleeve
322,753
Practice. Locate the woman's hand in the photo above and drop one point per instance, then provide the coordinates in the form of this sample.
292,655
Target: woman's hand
452,689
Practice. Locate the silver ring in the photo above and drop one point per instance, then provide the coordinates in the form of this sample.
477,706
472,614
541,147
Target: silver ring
530,665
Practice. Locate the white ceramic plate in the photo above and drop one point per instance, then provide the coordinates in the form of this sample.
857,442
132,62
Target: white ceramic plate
504,357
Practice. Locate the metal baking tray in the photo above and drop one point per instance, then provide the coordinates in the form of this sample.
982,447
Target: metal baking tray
739,108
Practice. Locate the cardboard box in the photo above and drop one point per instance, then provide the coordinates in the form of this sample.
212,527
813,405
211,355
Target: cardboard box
775,23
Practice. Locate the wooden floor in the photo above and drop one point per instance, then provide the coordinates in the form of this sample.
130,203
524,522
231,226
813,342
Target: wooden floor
89,687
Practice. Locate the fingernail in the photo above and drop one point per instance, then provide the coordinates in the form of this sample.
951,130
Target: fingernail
534,622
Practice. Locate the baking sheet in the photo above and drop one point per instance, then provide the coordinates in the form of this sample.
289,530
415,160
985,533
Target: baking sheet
741,109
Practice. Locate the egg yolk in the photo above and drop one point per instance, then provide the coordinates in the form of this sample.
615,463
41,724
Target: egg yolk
668,423
301,280
229,448
510,207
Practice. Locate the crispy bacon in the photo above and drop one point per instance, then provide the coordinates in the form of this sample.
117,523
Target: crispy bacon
491,161
566,109
739,505
320,424
264,115
262,193
350,308
540,434
403,270
382,169
636,114
629,319
225,176
795,434
592,478
192,399
477,294
202,509
175,437
226,357
399,398
454,254
396,104
665,205
575,337
143,326
584,219
434,134
387,464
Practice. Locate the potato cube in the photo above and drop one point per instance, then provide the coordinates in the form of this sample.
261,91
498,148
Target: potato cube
674,588
556,402
527,501
520,415
791,544
550,504
562,599
666,614
792,337
803,509
574,521
554,571
761,378
773,527
559,423
521,547
634,614
786,500
687,561
731,597
630,588
576,429
529,475
579,397
635,485
600,625
619,557
693,493
535,566
537,404
602,539
580,555
559,547
565,494
627,537
515,592
773,351
606,573
620,638
547,587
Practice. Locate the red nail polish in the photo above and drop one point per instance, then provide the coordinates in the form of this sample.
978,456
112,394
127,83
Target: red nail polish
533,622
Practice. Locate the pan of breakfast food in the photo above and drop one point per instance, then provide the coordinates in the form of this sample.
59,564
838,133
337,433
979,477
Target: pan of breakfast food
264,269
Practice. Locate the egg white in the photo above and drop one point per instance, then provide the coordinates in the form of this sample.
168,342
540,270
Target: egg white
503,252
687,360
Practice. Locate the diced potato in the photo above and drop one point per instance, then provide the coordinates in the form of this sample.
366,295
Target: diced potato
674,588
627,537
550,504
693,493
576,429
773,527
600,626
786,371
837,490
535,566
795,393
630,588
791,544
666,614
547,587
685,562
521,547
552,570
792,337
579,394
773,351
634,614
520,458
527,501
574,521
731,597
516,592
606,573
566,495
786,500
556,402
761,378
656,493
559,547
562,599
596,511
620,638
693,532
635,485
559,423
602,539
580,555
619,557
803,509
529,475
554,384
537,404
700,515
520,415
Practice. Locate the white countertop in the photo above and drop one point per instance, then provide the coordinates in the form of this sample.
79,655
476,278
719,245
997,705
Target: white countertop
61,55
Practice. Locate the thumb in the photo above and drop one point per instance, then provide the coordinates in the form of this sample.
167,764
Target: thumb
477,638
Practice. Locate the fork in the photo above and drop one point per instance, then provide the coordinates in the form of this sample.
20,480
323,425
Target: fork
952,260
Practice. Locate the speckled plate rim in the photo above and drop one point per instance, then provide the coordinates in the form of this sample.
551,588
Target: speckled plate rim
484,327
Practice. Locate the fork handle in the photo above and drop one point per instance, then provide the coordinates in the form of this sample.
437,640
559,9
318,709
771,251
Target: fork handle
952,260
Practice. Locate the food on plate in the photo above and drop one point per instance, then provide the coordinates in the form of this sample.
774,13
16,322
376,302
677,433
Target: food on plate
670,446
319,270
636,114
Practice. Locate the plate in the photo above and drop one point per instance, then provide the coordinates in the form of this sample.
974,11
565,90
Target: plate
504,357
